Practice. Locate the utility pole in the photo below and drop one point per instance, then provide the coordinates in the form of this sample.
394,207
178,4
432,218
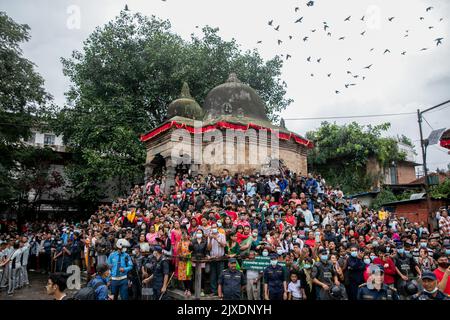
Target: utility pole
424,145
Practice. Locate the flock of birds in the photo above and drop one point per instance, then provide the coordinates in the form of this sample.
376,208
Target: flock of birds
327,29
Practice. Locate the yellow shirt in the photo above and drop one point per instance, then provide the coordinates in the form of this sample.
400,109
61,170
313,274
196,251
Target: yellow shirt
382,215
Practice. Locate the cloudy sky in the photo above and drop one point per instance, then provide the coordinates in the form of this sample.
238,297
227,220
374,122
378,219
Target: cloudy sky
395,83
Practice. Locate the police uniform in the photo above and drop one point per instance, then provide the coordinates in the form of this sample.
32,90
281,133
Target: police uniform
325,273
161,269
231,282
427,296
385,293
274,277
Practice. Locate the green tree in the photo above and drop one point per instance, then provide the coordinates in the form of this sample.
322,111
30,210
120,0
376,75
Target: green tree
127,73
22,101
341,153
385,196
442,190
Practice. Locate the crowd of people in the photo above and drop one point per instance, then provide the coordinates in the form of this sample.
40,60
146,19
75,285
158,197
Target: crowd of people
314,244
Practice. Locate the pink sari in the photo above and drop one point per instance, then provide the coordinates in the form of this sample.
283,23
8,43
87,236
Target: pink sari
175,237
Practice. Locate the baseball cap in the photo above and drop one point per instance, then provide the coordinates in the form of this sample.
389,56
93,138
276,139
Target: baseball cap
157,248
232,260
429,275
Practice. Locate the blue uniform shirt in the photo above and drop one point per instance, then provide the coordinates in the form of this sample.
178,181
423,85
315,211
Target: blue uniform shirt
117,260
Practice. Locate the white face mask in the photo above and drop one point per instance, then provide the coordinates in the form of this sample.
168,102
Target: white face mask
214,230
124,250
273,262
219,224
199,235
265,253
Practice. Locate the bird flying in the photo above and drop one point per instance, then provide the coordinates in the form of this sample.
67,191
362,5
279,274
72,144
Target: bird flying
347,19
391,18
438,41
368,67
299,20
387,50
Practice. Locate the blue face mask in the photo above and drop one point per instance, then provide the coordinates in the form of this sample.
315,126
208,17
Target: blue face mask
324,257
401,251
447,251
307,266
407,251
367,261
354,254
423,244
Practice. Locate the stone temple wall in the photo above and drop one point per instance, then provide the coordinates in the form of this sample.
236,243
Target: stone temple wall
246,156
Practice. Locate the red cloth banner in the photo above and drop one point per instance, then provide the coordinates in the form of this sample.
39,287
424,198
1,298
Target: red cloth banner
223,125
445,143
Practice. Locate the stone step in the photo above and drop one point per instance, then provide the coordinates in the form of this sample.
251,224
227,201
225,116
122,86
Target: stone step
178,294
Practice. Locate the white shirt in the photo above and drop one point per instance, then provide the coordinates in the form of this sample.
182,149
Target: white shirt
16,255
25,253
294,289
308,216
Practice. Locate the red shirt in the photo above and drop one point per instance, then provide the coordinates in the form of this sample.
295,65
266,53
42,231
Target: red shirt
390,272
290,220
440,275
232,215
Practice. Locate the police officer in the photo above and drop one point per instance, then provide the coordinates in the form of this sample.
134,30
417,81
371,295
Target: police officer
275,284
406,267
375,288
231,282
430,289
160,276
324,275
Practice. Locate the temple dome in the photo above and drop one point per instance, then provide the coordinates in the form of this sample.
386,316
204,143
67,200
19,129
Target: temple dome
234,98
185,106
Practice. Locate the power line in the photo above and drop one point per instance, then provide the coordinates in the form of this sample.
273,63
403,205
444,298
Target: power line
357,116
439,109
427,122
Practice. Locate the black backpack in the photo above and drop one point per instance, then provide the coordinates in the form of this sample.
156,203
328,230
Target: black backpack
88,292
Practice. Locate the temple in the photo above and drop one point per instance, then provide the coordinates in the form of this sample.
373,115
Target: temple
230,131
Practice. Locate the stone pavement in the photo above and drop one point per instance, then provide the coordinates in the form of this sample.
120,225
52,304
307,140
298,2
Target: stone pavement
34,292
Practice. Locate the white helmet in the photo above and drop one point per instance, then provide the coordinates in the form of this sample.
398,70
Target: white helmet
122,243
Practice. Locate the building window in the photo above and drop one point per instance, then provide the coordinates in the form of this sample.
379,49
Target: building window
49,139
393,174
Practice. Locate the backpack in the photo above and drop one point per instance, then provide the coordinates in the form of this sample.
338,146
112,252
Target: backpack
88,292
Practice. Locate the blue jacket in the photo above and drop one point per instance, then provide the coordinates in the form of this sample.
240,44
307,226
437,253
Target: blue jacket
101,293
125,263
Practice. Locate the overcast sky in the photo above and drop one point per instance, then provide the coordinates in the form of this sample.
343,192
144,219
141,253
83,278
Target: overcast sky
395,83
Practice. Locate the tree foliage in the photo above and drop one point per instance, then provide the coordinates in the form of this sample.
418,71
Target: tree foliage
341,153
127,73
385,196
442,190
23,100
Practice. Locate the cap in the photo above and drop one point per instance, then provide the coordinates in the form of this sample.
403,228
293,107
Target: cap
429,275
157,248
232,260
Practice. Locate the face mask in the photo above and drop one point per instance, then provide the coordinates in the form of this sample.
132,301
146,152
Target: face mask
354,254
388,249
273,262
239,190
307,266
294,237
214,230
407,251
219,224
265,253
255,235
218,192
367,261
306,229
447,251
373,257
401,251
199,235
375,243
124,250
280,252
432,291
423,244
323,257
